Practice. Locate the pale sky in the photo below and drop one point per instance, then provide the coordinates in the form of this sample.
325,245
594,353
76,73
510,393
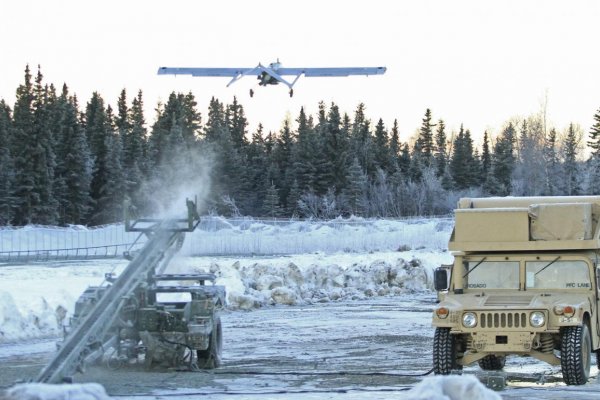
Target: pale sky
473,62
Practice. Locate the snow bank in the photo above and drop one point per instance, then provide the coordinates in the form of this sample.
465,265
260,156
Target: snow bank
40,319
36,301
451,387
42,391
307,279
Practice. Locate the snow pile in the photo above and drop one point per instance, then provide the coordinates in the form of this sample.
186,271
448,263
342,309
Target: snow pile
36,301
40,319
320,278
42,391
451,388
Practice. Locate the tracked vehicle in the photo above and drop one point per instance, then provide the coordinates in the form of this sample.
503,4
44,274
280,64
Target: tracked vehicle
524,282
171,320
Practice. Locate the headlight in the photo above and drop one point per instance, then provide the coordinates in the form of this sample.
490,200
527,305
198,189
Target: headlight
537,319
469,320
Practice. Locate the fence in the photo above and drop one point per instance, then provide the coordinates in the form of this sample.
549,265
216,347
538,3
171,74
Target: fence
46,243
221,236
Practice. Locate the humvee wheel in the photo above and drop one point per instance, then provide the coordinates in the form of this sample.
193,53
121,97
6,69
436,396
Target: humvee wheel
444,352
211,357
492,362
575,354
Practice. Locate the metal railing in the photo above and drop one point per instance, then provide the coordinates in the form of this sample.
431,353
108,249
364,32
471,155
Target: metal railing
225,236
81,253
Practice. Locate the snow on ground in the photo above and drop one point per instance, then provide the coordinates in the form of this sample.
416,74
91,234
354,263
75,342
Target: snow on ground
331,261
451,388
41,391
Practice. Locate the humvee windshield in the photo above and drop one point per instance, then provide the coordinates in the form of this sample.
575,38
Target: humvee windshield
492,275
561,274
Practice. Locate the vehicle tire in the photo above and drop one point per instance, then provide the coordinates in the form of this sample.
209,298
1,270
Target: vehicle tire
445,352
575,354
492,362
211,357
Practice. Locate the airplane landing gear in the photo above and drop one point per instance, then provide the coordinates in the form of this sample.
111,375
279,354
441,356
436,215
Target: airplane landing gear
251,93
291,92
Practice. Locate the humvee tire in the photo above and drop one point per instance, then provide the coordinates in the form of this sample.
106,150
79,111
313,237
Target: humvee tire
211,357
492,362
575,354
444,352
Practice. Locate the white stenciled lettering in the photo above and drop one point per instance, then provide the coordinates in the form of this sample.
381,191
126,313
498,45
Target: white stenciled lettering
477,285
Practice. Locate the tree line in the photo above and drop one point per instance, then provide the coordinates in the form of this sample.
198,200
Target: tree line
61,163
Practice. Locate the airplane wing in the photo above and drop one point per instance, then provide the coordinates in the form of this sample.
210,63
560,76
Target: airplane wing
309,72
230,72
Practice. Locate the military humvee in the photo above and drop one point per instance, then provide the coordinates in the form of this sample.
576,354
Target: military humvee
524,281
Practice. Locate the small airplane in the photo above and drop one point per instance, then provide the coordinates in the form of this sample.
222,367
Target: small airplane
273,74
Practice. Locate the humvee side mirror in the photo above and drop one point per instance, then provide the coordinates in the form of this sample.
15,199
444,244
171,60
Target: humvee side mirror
440,279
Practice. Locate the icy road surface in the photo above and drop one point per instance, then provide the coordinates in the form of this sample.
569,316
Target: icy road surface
387,336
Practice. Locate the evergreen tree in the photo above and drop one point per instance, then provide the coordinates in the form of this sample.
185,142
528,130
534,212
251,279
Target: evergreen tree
572,182
271,205
424,144
394,147
463,165
122,120
503,163
74,166
97,128
305,153
357,189
257,164
282,159
594,140
135,163
335,152
229,169
404,162
237,124
441,155
552,164
381,147
486,156
8,200
33,154
594,144
362,141
111,189
293,198
417,165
